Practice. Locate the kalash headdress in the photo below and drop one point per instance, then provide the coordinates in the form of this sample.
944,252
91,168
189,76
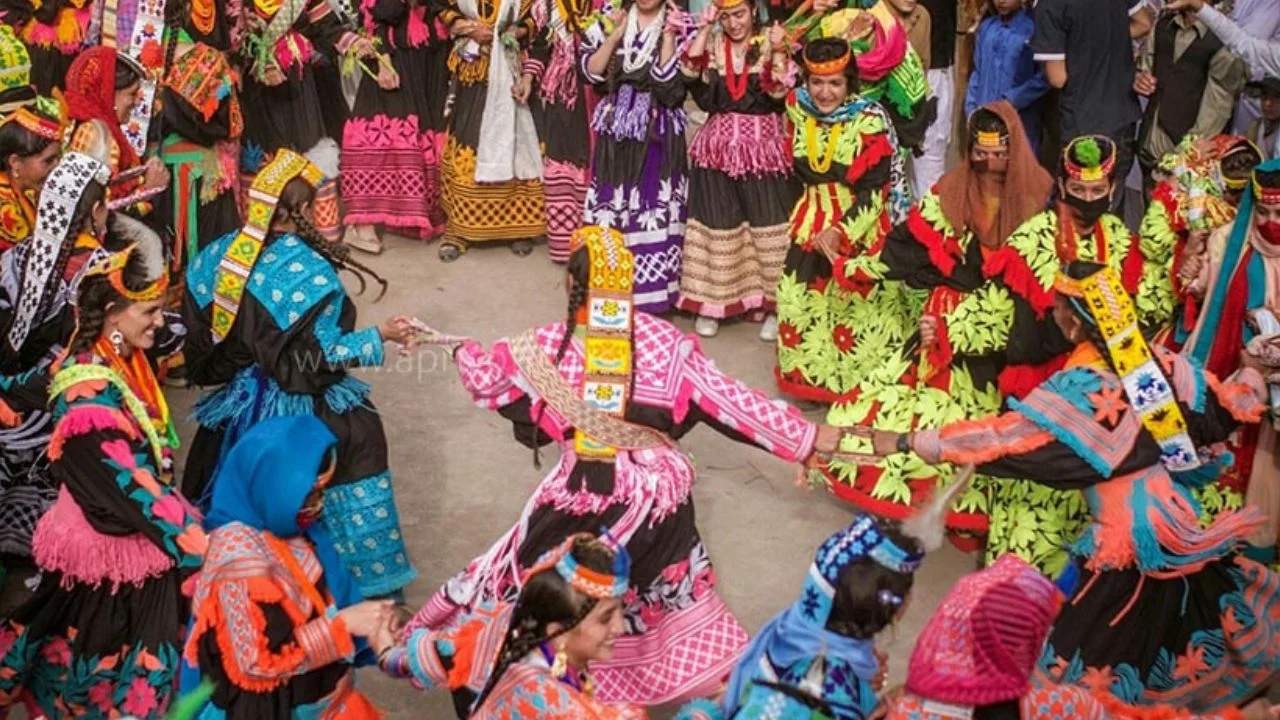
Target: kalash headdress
58,199
149,248
862,539
1145,384
610,314
728,4
989,139
834,66
597,585
1089,158
242,254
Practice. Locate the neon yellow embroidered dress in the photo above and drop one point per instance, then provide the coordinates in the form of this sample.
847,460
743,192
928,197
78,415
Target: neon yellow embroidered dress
838,326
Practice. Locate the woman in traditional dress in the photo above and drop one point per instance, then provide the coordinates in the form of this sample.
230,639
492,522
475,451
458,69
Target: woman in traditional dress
272,325
492,167
277,616
1238,286
101,634
1036,521
818,657
616,428
530,659
558,99
102,88
389,166
201,124
639,177
37,318
1165,610
30,133
740,188
953,363
284,44
976,657
839,320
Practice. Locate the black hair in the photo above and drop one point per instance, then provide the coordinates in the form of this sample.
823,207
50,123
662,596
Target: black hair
298,192
1079,270
97,294
579,271
985,120
828,49
17,140
1240,160
1106,147
127,72
545,599
869,595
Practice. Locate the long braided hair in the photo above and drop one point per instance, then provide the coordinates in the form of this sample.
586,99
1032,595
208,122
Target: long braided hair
579,271
298,193
548,598
97,297
1079,270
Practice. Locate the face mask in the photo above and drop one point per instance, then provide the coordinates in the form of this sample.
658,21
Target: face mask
990,166
1270,231
1088,210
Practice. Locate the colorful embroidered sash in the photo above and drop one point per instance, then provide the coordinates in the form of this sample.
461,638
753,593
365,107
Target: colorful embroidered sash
606,370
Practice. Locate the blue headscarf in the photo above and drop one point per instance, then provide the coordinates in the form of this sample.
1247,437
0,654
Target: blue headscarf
798,635
264,481
1212,315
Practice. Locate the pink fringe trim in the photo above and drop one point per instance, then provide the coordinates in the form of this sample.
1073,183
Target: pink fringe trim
285,55
740,145
86,419
663,477
419,33
65,541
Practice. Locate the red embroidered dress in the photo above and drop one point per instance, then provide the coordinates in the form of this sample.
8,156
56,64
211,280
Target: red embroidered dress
681,640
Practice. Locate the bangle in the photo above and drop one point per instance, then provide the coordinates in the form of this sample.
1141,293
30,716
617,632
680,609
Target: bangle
904,443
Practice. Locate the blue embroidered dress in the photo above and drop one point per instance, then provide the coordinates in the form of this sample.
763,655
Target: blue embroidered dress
288,353
1004,69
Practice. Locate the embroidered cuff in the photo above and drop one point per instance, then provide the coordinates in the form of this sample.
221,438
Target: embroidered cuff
345,42
533,66
362,347
396,663
325,641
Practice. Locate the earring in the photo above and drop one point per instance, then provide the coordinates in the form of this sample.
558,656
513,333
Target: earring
560,665
117,340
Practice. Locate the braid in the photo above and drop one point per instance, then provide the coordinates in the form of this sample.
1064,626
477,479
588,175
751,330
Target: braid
525,636
337,254
577,298
91,313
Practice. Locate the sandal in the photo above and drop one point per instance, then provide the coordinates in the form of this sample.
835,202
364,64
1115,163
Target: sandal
451,249
522,247
368,242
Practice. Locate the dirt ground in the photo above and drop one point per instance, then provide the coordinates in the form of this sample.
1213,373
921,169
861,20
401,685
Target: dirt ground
461,479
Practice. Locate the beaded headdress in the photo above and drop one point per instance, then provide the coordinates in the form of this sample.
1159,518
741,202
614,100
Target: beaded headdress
1241,153
728,4
834,66
43,117
589,582
1089,158
146,244
606,376
233,271
862,539
1145,384
1265,194
203,78
58,200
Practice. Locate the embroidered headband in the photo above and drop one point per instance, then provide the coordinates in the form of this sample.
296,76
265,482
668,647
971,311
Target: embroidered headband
834,66
113,265
589,582
607,345
728,4
1083,158
1265,194
235,266
862,539
1249,157
58,200
991,139
43,117
1145,383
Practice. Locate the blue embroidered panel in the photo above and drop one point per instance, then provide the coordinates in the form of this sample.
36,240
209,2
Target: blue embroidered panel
365,526
203,268
290,278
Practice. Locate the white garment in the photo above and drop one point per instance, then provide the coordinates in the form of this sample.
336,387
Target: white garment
930,166
1261,55
508,147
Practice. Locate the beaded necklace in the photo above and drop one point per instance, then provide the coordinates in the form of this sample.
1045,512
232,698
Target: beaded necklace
633,57
735,81
811,144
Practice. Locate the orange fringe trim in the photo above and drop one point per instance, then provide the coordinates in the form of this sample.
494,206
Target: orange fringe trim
281,665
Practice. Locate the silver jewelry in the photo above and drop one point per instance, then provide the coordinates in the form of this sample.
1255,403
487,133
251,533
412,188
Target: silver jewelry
117,340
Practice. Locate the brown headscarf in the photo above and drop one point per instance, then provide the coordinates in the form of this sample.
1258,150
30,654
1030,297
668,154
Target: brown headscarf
1027,185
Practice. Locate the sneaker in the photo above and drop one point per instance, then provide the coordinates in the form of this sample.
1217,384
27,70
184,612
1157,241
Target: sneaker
363,242
769,328
706,326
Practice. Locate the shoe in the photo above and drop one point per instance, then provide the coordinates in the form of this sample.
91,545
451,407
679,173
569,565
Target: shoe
364,242
522,247
706,327
769,328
